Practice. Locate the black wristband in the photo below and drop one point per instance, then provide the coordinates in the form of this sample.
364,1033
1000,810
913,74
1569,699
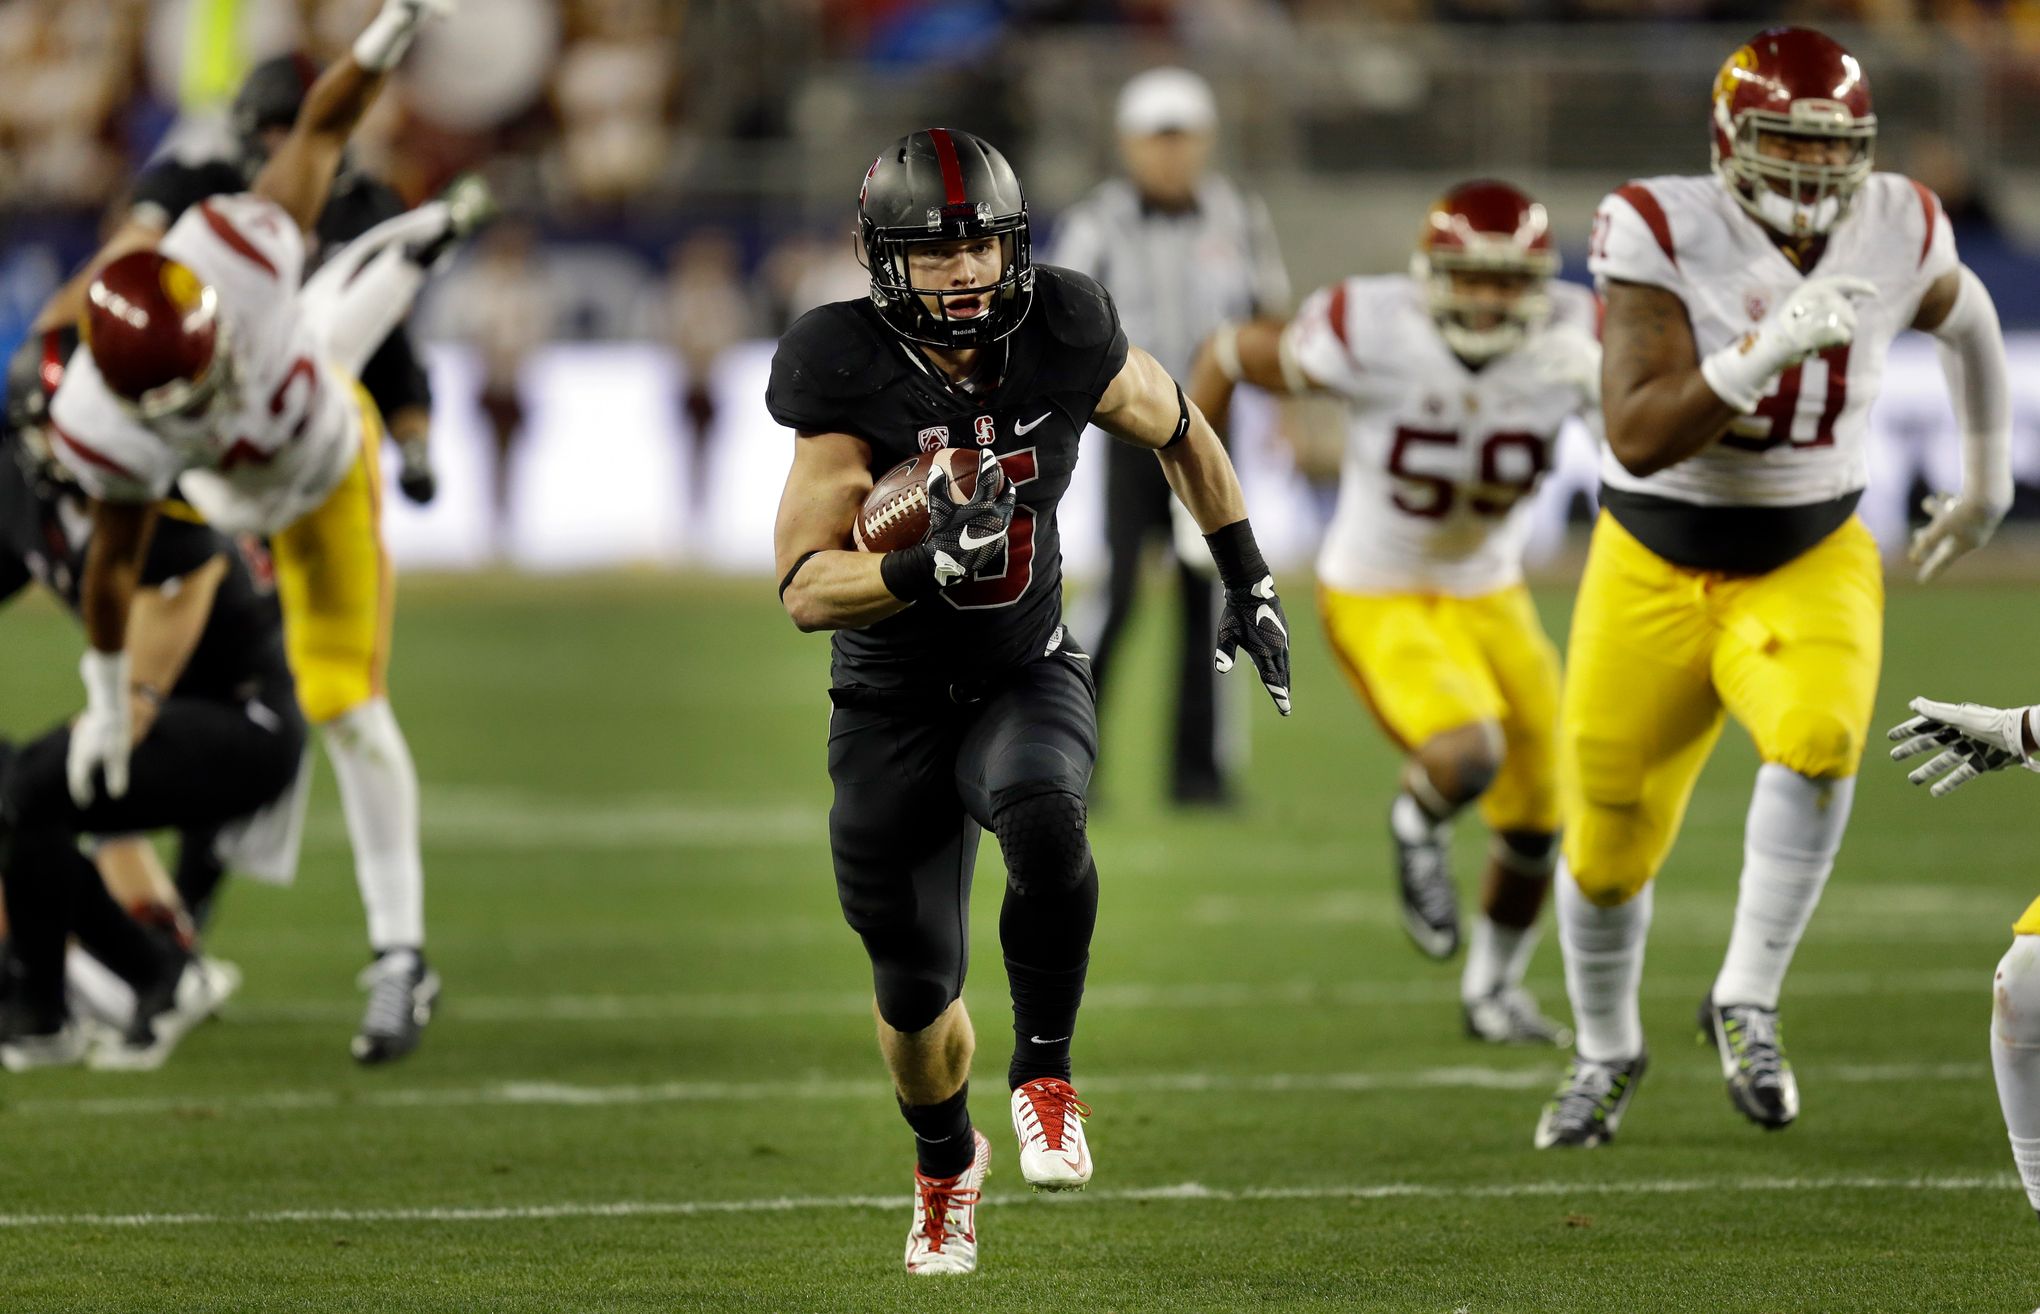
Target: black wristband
909,573
1182,420
1239,558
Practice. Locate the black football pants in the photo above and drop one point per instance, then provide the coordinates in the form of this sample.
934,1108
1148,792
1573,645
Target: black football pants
203,763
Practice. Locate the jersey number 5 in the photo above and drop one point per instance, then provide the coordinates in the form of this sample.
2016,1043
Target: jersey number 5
1015,570
1504,478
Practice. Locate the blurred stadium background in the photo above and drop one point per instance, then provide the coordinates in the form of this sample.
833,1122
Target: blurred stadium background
652,1086
680,175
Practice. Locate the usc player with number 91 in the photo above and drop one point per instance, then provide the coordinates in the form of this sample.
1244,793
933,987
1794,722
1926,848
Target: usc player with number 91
1457,379
1748,314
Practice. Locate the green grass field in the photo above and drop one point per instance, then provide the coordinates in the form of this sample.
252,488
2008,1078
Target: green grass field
653,1084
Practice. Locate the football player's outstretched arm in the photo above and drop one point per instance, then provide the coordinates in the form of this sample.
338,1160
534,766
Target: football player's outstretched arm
164,625
1255,352
103,734
825,583
1958,311
1143,406
299,173
67,305
1657,404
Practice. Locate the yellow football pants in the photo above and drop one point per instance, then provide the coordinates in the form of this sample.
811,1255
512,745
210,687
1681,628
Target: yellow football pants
1424,664
1658,652
2029,921
336,588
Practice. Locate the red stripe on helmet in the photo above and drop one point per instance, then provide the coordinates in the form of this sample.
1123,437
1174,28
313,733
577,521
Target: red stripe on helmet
952,168
231,235
1653,215
93,457
1932,207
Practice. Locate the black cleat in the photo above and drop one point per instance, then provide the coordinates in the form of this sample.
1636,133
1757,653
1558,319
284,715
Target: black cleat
402,992
1586,1109
1430,906
1753,1062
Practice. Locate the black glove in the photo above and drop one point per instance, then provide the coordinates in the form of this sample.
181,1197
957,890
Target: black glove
415,479
963,537
1252,618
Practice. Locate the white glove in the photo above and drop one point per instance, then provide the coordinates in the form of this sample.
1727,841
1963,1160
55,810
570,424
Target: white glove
1567,357
1956,525
1820,313
388,35
1972,738
103,735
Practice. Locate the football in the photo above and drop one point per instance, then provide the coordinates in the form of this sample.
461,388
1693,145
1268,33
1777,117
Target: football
895,514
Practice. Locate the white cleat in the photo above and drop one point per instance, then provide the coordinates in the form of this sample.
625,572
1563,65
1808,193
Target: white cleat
156,1026
943,1236
65,1047
1049,1120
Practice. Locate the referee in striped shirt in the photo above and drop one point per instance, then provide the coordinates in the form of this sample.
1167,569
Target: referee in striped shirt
1182,251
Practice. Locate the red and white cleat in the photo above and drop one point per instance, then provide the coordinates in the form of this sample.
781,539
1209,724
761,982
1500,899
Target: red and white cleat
1049,1120
943,1236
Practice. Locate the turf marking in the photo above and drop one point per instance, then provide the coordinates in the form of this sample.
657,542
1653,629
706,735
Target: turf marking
1182,1192
557,1094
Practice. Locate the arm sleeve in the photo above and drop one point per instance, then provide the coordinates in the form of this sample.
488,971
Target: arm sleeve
1633,242
1972,350
1271,277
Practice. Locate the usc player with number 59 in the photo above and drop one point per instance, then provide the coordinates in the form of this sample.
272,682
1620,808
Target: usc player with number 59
1748,315
1457,380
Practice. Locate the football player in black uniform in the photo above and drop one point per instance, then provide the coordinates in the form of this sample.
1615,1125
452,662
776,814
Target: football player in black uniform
218,737
961,703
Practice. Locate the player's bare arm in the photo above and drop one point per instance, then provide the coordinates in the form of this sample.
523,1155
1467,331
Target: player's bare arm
104,732
1658,406
1143,406
299,174
137,232
1252,352
826,583
163,628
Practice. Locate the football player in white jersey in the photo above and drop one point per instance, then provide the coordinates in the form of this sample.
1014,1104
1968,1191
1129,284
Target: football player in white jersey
1748,314
1457,378
208,374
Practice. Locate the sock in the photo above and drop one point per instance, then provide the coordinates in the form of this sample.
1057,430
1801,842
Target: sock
1603,950
2015,1055
1046,937
1412,822
1789,844
1497,956
379,794
943,1145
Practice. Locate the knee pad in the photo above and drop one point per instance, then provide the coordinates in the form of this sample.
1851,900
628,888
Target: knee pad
1041,833
1815,742
2015,995
910,995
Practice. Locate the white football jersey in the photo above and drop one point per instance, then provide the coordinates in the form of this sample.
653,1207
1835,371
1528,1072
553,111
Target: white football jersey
293,425
1806,441
1441,459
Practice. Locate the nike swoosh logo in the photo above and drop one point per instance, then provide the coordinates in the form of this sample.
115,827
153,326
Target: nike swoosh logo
1022,430
967,543
1267,613
1037,1040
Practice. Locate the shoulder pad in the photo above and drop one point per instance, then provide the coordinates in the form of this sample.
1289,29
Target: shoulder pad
1076,309
837,352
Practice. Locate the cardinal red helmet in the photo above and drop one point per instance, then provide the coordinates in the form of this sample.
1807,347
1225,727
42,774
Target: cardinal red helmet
1793,82
157,337
1499,233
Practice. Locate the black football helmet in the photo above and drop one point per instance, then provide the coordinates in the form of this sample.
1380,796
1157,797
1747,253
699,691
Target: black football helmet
270,98
33,373
944,186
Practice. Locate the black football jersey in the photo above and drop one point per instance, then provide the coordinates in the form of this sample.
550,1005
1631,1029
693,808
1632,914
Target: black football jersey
43,536
393,375
840,369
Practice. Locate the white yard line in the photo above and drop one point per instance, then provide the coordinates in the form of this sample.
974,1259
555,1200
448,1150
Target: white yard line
1184,1192
559,1094
1131,995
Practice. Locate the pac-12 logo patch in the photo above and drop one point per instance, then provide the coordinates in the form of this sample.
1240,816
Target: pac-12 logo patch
987,431
935,437
1757,305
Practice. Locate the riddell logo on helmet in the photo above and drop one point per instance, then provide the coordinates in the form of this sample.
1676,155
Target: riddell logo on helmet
934,438
987,431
